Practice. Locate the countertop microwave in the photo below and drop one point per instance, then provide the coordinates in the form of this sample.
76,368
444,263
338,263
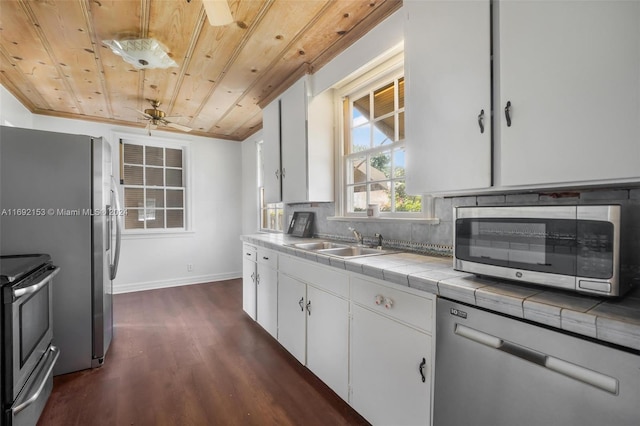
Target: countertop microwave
582,248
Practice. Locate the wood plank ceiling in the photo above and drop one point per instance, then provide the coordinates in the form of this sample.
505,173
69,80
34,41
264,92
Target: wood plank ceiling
54,61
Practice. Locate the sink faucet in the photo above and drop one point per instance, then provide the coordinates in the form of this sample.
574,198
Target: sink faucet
358,235
379,237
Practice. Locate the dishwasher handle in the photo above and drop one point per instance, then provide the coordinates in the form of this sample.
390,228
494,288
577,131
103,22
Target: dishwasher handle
566,368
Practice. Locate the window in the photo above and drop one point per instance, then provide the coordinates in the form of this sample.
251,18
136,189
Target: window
271,214
154,186
373,150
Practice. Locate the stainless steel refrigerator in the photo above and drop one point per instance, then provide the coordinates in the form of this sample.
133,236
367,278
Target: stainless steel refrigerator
58,196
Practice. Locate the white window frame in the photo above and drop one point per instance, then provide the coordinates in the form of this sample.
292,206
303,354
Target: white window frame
353,87
187,174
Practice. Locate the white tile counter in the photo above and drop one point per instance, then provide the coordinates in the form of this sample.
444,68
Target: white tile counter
611,320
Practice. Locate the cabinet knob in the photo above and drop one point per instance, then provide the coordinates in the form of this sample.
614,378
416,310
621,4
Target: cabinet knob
507,113
388,303
309,307
284,172
278,174
301,303
423,364
481,121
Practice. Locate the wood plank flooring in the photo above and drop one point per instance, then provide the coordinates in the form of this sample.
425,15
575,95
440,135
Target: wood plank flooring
190,356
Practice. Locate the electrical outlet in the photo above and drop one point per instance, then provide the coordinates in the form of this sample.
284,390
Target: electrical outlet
189,267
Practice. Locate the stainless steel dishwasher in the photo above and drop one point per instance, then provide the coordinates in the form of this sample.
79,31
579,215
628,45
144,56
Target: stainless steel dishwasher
497,370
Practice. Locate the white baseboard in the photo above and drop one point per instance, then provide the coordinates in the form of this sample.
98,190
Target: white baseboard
176,282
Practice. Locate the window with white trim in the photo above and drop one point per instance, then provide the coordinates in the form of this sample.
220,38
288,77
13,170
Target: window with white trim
154,182
373,157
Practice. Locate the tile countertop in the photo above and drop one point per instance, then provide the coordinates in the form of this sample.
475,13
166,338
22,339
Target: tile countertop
611,320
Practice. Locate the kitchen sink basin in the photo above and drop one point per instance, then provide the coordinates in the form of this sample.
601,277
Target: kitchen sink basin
354,251
319,245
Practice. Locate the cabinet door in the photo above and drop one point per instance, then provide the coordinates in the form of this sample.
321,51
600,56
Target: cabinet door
268,299
249,274
570,71
328,339
448,95
292,315
293,120
386,379
271,152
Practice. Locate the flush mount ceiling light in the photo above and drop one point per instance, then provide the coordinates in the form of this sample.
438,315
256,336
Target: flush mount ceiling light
218,12
142,53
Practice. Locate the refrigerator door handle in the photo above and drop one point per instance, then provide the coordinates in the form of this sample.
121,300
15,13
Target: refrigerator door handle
118,217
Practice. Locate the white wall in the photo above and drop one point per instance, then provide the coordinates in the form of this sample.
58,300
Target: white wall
384,37
12,112
213,247
250,196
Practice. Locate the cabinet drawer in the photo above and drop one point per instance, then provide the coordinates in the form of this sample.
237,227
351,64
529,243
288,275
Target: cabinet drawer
406,307
249,252
320,276
268,258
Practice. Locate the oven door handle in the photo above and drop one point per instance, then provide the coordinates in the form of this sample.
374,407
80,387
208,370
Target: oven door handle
19,292
54,353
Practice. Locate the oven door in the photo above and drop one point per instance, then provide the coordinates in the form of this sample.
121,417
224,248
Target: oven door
31,327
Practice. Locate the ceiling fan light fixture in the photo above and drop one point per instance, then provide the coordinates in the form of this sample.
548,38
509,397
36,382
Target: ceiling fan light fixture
142,53
218,12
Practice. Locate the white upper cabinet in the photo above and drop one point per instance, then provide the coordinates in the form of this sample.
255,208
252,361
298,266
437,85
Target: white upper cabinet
299,134
271,152
571,72
567,74
448,95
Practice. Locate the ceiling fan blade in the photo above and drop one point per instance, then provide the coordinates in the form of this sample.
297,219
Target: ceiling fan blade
218,12
144,113
178,126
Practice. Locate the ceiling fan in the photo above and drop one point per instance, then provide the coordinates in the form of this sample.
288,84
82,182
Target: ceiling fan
156,117
218,12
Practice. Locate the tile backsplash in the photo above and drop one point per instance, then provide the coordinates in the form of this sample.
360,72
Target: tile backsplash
436,238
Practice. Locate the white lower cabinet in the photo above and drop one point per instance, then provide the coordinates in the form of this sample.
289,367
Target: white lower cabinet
267,294
370,341
313,324
249,277
391,354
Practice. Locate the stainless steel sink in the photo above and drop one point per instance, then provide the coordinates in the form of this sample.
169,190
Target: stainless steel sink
319,245
354,251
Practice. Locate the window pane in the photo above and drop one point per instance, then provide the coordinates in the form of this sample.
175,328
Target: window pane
154,156
156,196
174,157
174,198
361,138
401,126
380,193
133,197
398,162
154,177
175,219
131,220
133,175
357,198
132,153
174,177
380,166
404,202
360,113
401,93
383,100
357,170
155,219
384,131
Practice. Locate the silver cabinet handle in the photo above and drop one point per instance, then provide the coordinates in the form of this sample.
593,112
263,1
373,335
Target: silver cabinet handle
481,121
566,368
19,292
301,303
56,353
119,226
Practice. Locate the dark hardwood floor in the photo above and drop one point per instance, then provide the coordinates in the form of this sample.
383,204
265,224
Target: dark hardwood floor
190,356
